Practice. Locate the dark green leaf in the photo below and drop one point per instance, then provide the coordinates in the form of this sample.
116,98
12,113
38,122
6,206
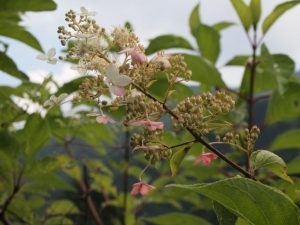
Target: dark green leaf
286,140
208,40
29,5
278,104
12,30
225,217
8,66
222,25
195,20
276,13
177,219
244,13
255,202
204,71
177,159
271,161
166,42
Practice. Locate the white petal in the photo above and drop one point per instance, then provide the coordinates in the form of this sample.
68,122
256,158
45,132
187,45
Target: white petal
92,13
62,97
52,61
42,57
112,72
83,9
51,52
122,80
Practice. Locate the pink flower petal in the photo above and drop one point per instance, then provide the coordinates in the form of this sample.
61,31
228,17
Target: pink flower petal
141,188
137,56
161,57
150,125
104,119
116,90
205,158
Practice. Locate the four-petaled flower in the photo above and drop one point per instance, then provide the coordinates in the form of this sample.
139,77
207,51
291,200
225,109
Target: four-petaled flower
102,118
162,58
85,12
53,100
141,188
49,56
150,125
115,81
205,158
137,56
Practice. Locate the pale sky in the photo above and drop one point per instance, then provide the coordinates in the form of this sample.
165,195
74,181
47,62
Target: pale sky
150,19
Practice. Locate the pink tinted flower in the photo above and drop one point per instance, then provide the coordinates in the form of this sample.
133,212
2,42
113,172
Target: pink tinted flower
137,56
141,188
104,119
162,58
117,90
150,125
205,158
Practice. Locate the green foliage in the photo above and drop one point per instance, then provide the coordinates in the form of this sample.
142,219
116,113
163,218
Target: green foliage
244,12
194,20
225,217
287,140
255,6
177,159
166,42
254,202
177,219
31,5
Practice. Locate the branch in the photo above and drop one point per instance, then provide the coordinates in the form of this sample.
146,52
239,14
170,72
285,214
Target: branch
196,136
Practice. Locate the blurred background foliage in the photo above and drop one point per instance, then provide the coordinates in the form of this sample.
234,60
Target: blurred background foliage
58,168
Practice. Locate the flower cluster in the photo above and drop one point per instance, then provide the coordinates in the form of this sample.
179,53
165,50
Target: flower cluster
199,112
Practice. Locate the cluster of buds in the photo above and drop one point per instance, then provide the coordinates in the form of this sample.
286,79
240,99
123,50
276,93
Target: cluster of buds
197,112
150,144
229,138
92,88
251,137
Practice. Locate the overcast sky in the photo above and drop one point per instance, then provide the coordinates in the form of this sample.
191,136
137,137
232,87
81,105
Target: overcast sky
150,19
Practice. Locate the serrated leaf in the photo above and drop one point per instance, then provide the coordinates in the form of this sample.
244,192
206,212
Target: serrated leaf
222,25
208,40
177,219
272,162
177,159
255,6
225,217
203,71
255,202
244,13
8,66
194,20
166,42
276,13
287,140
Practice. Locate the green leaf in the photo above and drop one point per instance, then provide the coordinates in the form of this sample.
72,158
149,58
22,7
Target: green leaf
204,71
167,41
240,60
255,6
286,140
195,20
225,217
271,161
62,207
177,159
8,66
12,30
176,219
222,25
255,202
31,5
244,13
71,86
35,134
279,103
208,40
294,166
276,13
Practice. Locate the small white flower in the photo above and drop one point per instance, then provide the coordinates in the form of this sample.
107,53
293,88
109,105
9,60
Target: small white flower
113,76
49,56
53,100
85,12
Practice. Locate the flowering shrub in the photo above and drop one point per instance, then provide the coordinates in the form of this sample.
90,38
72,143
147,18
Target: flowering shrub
171,136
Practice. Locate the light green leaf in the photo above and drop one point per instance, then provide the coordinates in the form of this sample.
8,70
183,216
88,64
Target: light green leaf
276,13
279,103
286,140
255,202
240,221
272,162
62,207
8,66
12,30
294,166
222,25
204,71
71,86
177,159
31,5
208,40
225,217
244,13
167,41
240,60
195,20
177,219
255,6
